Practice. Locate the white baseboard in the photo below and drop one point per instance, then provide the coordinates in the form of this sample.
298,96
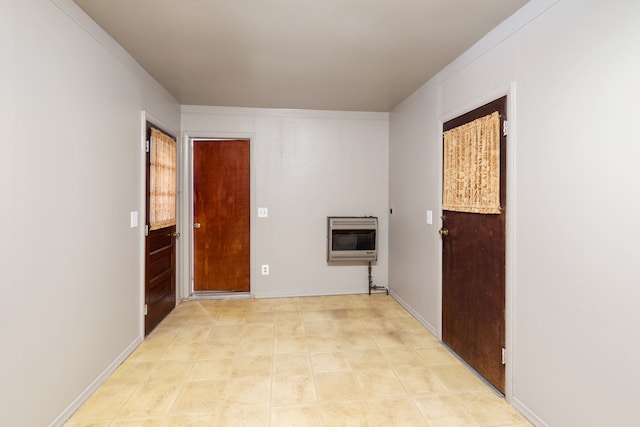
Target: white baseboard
95,384
306,293
527,413
417,316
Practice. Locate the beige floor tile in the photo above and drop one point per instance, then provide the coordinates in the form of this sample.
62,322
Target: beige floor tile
181,351
490,410
320,328
286,315
348,360
247,365
294,416
244,417
290,344
138,422
227,333
289,328
130,373
255,345
193,334
259,329
402,356
211,369
380,382
169,372
324,343
149,351
329,362
395,412
444,411
338,387
164,332
357,341
292,364
349,414
417,339
439,355
150,400
199,397
219,348
105,403
231,318
193,420
458,378
391,338
366,359
293,390
419,380
247,391
351,326
88,423
318,315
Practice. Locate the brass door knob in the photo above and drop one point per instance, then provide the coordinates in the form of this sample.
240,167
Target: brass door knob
196,225
443,232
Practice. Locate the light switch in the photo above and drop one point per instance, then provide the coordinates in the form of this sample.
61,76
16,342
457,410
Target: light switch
134,219
429,217
263,212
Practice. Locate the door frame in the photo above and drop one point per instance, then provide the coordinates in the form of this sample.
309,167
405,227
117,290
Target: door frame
144,118
510,256
187,282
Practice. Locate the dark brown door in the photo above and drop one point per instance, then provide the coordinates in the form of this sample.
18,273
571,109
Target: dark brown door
473,273
221,216
160,228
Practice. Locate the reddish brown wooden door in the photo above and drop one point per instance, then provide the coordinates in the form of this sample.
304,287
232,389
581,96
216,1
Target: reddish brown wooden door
221,216
473,275
160,289
160,258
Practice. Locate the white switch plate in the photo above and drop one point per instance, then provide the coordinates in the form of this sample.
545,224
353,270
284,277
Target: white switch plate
134,219
264,269
263,212
429,217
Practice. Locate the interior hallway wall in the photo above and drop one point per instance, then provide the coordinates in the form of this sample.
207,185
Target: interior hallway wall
571,70
70,174
306,166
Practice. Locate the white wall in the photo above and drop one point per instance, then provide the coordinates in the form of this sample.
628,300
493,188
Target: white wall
571,70
306,165
70,175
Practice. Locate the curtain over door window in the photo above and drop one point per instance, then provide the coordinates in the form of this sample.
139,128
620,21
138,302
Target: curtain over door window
162,181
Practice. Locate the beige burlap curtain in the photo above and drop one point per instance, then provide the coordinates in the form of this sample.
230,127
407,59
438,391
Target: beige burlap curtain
162,181
472,167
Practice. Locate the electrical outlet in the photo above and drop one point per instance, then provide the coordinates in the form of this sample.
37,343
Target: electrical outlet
263,212
265,269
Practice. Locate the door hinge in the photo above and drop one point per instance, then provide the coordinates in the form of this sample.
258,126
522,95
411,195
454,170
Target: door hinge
147,146
504,356
505,128
146,229
146,310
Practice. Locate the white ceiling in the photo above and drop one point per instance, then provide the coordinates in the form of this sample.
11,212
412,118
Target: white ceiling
361,55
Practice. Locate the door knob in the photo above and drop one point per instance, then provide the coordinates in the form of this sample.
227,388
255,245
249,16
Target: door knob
196,225
176,234
443,232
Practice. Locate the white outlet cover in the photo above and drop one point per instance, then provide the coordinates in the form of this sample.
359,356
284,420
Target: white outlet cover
263,212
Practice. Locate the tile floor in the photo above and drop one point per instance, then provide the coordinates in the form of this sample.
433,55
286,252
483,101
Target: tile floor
354,360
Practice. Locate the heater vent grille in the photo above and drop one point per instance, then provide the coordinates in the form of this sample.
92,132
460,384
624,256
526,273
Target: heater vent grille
352,239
